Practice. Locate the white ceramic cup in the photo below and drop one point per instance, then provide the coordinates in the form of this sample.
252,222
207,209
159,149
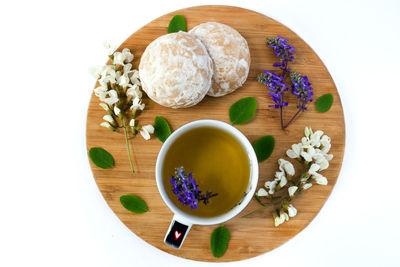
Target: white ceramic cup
182,221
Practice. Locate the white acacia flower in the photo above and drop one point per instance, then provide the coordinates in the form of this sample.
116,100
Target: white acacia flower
117,111
107,79
311,150
134,91
281,218
271,185
137,104
321,160
325,140
325,148
283,181
108,74
307,157
135,77
284,216
128,55
101,92
320,179
132,122
292,190
307,185
104,106
106,125
316,138
278,220
101,88
314,168
108,118
119,58
149,128
123,80
109,48
279,175
146,130
292,211
101,95
307,132
286,166
127,68
95,71
112,97
295,151
324,164
305,141
262,192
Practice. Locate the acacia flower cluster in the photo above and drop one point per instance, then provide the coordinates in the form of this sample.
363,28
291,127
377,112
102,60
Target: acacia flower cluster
312,153
121,97
300,87
185,187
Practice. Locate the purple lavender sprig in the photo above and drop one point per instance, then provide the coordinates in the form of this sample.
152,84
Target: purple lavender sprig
282,50
276,85
301,87
185,187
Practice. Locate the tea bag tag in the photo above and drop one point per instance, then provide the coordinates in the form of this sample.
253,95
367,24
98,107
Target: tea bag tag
176,233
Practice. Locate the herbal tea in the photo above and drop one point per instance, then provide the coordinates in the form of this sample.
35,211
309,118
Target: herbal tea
218,163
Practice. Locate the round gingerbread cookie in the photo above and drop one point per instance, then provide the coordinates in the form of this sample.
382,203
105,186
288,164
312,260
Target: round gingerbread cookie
176,70
230,54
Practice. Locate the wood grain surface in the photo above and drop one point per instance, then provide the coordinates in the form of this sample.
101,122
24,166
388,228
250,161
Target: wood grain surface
250,236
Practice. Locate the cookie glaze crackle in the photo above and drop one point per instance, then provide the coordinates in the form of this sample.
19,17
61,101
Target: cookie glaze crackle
230,54
176,70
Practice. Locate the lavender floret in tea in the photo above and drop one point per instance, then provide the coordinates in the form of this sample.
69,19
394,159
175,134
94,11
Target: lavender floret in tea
185,187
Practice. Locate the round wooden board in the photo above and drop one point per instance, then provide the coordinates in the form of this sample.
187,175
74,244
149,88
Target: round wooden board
250,236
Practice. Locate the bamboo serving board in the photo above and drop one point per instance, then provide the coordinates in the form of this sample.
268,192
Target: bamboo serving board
250,236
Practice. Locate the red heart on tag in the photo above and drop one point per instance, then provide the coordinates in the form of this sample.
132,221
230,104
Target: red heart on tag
177,235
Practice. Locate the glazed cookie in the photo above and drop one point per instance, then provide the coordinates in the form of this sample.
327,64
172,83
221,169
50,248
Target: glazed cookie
230,54
176,70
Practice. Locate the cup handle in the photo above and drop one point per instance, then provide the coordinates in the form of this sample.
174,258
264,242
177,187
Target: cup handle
177,232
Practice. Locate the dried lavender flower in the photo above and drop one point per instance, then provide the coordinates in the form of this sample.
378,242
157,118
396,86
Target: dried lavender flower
300,85
282,50
276,85
185,187
302,89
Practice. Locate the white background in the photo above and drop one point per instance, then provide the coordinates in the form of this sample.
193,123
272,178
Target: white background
52,213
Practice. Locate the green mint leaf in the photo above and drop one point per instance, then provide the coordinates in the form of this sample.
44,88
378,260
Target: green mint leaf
177,23
161,128
264,147
219,241
101,158
133,203
242,110
324,102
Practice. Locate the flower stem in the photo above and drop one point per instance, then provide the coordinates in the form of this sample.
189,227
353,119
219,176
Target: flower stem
265,206
280,107
127,144
297,113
